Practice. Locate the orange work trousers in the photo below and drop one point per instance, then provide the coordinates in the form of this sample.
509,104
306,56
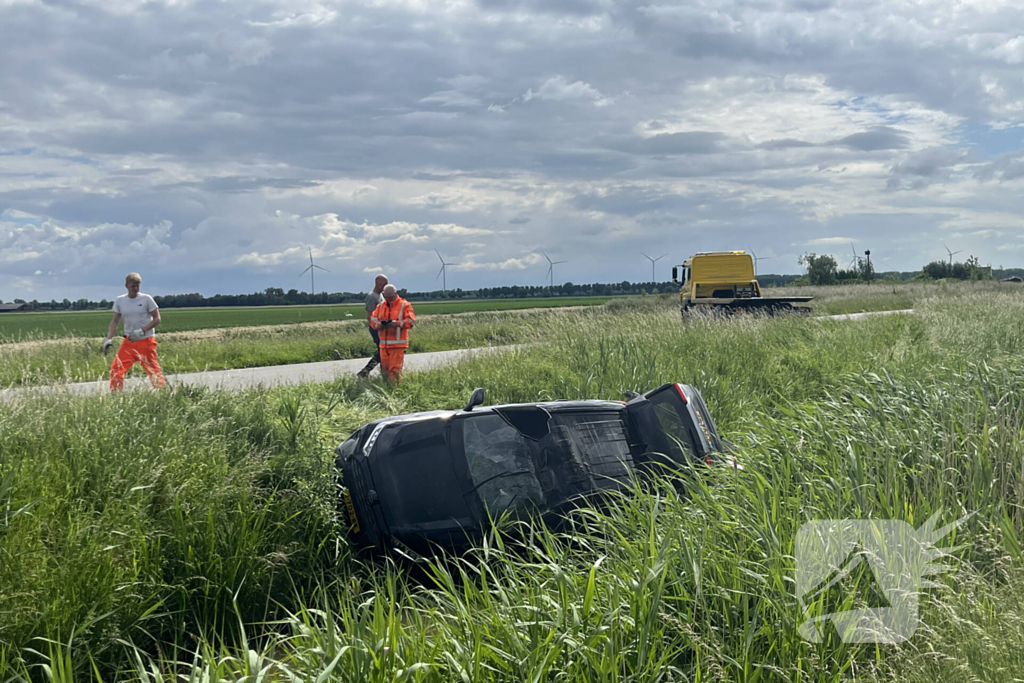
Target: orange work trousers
130,353
392,361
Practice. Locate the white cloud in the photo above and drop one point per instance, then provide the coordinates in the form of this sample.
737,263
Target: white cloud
830,240
558,89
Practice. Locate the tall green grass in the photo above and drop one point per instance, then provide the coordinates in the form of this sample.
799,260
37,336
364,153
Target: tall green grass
192,534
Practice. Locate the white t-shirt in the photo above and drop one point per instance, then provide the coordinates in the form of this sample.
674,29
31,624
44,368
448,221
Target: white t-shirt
135,313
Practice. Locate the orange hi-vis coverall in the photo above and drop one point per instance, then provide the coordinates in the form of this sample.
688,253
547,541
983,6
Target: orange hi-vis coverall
394,338
130,353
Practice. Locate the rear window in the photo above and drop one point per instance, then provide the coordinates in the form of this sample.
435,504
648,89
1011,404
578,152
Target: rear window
500,464
678,430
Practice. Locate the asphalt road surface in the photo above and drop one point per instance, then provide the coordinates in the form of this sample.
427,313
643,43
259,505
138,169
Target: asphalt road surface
275,375
300,373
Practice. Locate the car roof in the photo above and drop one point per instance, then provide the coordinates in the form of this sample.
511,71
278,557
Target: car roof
550,406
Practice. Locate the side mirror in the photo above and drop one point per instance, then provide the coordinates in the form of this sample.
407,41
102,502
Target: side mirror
675,275
477,399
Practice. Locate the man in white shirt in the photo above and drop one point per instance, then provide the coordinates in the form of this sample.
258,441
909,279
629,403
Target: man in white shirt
141,315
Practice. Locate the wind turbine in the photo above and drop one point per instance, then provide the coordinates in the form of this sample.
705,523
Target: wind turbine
443,273
758,258
856,259
653,261
312,280
951,254
551,268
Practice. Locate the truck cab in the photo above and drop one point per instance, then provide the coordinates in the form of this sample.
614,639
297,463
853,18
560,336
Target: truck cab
724,275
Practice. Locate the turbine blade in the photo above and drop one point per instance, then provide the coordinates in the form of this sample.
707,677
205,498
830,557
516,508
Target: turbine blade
555,263
439,255
661,257
308,268
546,256
647,257
438,276
321,268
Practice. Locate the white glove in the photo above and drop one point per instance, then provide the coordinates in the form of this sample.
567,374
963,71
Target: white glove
106,345
136,335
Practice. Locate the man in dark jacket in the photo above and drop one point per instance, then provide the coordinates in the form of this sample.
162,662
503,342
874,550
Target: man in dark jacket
373,299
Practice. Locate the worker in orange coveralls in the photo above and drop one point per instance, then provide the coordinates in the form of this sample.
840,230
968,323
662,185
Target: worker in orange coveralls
393,318
141,315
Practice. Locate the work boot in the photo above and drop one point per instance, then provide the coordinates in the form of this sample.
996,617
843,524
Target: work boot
365,372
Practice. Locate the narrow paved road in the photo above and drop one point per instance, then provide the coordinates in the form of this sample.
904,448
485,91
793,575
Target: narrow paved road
861,316
299,373
275,375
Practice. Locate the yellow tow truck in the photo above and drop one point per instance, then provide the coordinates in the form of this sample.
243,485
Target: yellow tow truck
724,282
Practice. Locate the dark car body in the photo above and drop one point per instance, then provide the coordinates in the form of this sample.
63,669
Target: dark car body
442,476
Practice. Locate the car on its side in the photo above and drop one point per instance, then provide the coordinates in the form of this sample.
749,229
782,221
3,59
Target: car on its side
440,477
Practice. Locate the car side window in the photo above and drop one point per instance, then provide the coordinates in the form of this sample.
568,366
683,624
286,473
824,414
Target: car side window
500,464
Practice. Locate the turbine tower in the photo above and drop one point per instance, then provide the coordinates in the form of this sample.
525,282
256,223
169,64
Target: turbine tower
551,269
757,258
653,261
951,254
856,259
443,273
312,280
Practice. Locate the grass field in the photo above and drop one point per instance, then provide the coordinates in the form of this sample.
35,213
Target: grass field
16,327
51,359
74,359
191,535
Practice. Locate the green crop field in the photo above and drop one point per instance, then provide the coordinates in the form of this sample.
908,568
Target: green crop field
193,535
18,326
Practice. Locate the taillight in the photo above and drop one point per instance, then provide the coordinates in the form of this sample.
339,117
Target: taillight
679,388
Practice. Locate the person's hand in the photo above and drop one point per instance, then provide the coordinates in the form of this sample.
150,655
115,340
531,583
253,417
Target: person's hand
136,335
385,323
106,345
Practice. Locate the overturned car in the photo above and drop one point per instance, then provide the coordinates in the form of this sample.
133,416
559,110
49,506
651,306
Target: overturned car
439,477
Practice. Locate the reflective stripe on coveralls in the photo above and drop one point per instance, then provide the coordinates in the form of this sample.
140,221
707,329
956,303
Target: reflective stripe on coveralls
397,335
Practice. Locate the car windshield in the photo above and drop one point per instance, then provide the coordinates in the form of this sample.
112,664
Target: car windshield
501,464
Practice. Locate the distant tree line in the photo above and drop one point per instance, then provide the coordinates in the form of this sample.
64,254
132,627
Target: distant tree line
821,269
275,296
969,270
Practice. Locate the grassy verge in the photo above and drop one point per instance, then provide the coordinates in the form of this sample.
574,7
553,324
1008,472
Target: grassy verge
883,296
77,360
37,325
149,536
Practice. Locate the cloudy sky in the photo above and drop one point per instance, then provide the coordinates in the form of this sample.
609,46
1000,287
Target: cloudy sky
208,144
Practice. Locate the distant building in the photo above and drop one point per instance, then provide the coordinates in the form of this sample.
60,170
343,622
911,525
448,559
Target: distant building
8,308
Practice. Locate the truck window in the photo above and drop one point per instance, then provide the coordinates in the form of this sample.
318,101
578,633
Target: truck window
500,464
